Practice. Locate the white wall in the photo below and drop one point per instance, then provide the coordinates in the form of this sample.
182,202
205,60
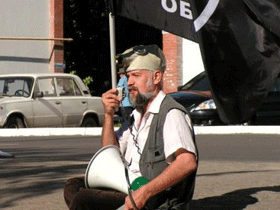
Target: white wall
192,60
24,18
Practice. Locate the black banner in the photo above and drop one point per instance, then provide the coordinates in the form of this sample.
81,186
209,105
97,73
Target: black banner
241,53
173,16
239,42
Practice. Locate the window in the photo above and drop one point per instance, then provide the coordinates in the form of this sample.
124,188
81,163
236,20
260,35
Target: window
67,87
45,85
202,85
16,86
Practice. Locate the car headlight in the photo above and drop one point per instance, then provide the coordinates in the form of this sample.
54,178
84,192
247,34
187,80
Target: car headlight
210,104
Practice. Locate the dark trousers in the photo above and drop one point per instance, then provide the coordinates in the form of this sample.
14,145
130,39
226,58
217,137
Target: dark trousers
78,197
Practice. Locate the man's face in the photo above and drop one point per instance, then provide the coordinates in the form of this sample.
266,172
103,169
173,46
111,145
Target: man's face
141,87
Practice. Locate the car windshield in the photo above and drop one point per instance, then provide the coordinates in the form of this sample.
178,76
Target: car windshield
200,82
16,86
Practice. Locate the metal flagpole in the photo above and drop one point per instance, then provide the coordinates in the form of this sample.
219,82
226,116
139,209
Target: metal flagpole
113,49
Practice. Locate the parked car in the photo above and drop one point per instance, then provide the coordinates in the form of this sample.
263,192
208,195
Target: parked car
47,100
196,97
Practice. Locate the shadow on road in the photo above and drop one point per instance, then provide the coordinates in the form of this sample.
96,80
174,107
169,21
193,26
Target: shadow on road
37,173
236,200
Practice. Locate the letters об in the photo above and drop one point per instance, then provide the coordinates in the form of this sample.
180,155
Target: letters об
171,6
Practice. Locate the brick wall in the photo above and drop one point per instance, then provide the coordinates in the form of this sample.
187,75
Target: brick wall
172,49
56,31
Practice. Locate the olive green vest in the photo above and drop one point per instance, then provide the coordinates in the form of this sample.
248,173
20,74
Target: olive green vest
153,162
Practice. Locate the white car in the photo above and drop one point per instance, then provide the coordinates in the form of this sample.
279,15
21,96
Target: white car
47,100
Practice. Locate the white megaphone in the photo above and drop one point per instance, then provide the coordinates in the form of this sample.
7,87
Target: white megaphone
107,169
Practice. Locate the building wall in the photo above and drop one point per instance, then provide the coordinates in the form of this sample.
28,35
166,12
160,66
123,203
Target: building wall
57,63
183,61
27,19
44,19
172,49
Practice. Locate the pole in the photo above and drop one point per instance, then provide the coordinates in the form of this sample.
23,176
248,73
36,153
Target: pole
113,49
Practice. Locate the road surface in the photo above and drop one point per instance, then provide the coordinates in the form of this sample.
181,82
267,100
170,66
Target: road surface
238,171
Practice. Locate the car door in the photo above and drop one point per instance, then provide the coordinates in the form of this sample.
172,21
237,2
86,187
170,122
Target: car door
74,104
47,108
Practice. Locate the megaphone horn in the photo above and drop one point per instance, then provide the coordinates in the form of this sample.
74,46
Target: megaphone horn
106,169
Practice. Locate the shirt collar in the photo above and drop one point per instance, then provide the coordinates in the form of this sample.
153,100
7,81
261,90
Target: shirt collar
155,105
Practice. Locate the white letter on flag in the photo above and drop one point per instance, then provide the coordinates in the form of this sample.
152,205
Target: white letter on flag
173,7
185,10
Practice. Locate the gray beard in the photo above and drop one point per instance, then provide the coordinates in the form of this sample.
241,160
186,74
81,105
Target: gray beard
141,100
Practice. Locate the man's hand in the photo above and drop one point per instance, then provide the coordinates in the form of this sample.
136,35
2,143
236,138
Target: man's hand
110,101
184,164
140,198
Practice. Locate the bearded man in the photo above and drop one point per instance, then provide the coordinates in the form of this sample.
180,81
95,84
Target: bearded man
156,142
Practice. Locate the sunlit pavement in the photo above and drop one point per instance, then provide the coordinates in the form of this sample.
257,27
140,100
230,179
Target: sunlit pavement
97,131
221,184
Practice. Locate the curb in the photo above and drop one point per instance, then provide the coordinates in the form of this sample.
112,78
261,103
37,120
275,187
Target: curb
51,132
199,130
274,130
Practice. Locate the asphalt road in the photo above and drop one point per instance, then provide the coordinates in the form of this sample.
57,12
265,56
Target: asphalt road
238,171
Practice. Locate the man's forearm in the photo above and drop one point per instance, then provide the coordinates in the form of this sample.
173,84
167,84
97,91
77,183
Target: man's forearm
174,173
108,134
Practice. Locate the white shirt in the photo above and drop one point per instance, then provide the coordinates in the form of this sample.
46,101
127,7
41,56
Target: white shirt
177,134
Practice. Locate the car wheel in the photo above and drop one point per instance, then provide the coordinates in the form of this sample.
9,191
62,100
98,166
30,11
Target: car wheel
89,122
14,122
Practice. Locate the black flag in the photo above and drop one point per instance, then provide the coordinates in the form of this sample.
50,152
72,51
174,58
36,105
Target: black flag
241,53
239,42
169,15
